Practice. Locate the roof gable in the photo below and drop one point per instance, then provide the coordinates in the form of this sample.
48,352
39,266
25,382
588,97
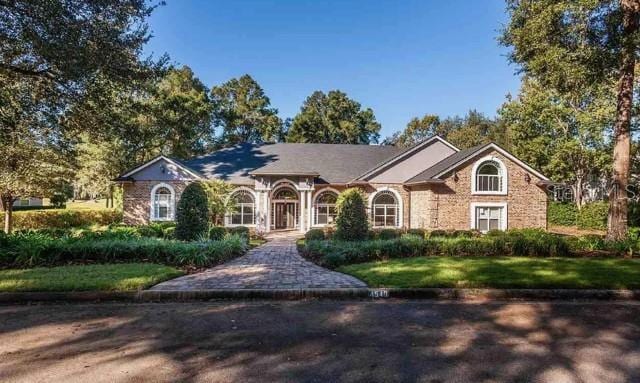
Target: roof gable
456,160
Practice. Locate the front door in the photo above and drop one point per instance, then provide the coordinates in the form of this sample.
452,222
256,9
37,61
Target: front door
285,214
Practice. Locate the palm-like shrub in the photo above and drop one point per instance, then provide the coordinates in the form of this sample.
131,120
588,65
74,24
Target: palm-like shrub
192,214
352,223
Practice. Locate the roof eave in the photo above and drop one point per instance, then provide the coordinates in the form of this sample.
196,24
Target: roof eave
425,182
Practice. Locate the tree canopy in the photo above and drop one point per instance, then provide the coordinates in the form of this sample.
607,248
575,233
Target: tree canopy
333,118
49,52
243,112
464,132
570,45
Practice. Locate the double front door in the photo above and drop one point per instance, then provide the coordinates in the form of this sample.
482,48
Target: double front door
285,215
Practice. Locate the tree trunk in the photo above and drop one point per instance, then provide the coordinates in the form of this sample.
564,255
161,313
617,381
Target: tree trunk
618,204
578,197
7,205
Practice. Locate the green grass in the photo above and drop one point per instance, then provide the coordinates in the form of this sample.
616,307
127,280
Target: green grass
499,272
114,277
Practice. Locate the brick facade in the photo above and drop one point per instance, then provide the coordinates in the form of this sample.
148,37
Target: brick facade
137,199
429,206
450,202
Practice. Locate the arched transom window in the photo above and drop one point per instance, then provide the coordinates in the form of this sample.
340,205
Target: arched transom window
243,209
285,193
325,208
162,203
489,177
385,210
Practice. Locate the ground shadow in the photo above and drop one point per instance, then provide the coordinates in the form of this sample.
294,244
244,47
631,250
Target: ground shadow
404,341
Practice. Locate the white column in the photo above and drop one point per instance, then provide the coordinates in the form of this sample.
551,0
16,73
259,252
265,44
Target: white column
309,208
267,212
303,203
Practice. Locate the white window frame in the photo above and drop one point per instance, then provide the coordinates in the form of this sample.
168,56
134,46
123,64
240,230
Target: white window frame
399,207
255,206
503,216
314,209
171,213
502,169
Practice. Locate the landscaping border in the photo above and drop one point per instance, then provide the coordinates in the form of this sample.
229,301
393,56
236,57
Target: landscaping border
299,294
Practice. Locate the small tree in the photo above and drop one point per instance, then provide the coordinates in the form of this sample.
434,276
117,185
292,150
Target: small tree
192,215
352,223
218,193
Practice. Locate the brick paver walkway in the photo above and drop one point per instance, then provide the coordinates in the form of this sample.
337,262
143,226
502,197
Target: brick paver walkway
274,265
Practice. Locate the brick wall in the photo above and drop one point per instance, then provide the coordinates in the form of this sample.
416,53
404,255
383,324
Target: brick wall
137,199
404,194
526,202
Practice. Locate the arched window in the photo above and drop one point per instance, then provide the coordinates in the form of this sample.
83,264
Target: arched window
285,193
489,177
385,210
162,203
325,208
244,208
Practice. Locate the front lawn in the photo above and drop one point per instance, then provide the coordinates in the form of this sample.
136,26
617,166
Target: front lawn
499,272
108,277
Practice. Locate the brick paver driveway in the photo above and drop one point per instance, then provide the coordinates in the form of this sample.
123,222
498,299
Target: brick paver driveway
274,265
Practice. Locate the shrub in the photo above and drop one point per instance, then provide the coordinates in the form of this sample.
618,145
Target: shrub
217,233
241,231
26,208
437,233
562,213
388,234
58,200
593,216
192,214
422,233
352,222
37,249
526,242
314,235
63,219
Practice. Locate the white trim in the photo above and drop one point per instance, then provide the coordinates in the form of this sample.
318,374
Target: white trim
227,217
504,173
400,206
291,183
503,218
410,151
172,203
501,151
153,161
313,203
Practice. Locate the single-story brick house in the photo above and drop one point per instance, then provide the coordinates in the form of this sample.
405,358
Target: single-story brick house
292,186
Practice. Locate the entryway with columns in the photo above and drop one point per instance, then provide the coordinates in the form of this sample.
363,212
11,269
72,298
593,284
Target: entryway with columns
284,204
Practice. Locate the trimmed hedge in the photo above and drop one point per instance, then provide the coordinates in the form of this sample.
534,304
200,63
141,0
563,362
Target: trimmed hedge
562,214
526,242
152,230
314,235
37,249
63,219
28,208
192,213
593,216
352,223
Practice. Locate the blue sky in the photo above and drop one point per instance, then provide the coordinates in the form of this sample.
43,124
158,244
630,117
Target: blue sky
401,58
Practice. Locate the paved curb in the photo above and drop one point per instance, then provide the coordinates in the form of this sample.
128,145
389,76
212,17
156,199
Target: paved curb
297,294
77,296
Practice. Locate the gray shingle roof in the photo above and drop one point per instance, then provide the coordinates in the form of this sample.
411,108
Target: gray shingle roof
334,163
430,173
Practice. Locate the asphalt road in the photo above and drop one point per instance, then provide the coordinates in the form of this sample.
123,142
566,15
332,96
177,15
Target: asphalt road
321,341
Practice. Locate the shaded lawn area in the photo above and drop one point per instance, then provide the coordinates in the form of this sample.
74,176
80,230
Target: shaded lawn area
115,277
499,272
